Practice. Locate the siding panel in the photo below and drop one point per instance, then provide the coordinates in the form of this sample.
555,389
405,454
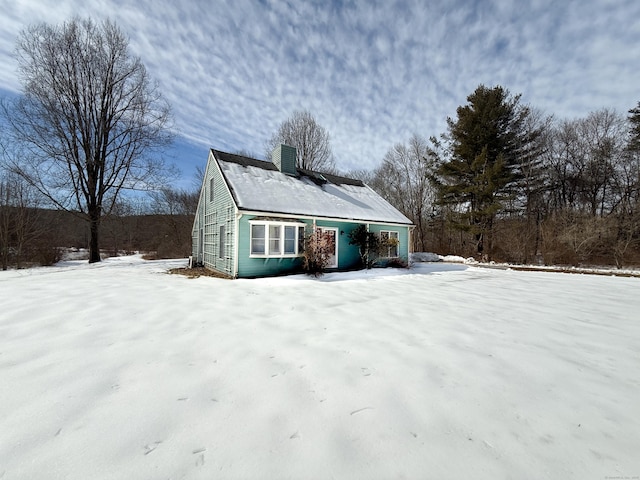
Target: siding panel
215,210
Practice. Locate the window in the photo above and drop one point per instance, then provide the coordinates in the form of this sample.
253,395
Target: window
276,239
289,240
257,239
301,238
275,232
221,241
211,191
390,242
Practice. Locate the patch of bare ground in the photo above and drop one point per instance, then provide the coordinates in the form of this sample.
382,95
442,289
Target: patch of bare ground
196,272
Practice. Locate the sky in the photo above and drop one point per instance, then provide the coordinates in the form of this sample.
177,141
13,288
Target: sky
372,73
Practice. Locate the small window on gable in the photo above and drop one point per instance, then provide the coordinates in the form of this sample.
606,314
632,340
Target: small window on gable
211,190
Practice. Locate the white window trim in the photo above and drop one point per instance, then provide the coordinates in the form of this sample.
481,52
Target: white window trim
397,237
267,224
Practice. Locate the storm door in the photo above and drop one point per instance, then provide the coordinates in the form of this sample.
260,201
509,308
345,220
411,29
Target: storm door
331,235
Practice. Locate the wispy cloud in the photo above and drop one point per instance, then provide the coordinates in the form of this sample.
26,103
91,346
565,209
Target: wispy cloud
372,73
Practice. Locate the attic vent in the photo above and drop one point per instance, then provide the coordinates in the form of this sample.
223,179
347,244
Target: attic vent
317,178
284,157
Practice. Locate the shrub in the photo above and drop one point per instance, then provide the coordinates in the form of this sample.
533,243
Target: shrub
397,262
367,242
318,249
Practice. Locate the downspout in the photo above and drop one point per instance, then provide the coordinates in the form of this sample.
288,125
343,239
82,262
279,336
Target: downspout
366,254
315,227
409,243
236,245
203,226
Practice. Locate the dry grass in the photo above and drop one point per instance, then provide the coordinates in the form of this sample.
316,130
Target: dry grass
196,272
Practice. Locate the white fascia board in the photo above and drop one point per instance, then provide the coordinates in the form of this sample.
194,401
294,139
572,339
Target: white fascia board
200,196
327,219
225,181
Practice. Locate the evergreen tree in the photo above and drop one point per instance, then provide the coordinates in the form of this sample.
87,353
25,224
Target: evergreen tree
488,141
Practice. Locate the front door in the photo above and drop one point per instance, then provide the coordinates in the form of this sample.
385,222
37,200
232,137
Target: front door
331,234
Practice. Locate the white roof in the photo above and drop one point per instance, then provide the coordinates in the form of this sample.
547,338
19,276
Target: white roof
259,186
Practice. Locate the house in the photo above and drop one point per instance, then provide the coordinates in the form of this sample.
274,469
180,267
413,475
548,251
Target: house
253,215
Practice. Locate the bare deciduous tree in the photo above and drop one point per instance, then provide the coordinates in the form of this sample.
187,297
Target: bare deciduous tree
20,222
176,208
404,179
89,122
313,148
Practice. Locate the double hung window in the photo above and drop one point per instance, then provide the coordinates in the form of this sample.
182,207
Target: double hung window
390,242
275,236
276,239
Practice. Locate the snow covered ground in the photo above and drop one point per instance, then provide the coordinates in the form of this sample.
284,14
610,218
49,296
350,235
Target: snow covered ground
120,371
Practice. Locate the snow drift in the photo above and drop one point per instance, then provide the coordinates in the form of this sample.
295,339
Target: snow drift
119,371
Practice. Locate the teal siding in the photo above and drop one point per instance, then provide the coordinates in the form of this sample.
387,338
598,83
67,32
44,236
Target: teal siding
403,237
214,246
260,267
284,157
348,255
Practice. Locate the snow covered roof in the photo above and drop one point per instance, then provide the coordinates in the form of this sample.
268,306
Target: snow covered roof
257,185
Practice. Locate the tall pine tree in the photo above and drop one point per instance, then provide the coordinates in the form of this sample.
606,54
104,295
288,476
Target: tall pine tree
487,141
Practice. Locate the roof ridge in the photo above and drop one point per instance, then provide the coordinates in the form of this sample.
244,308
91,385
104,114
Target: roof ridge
268,165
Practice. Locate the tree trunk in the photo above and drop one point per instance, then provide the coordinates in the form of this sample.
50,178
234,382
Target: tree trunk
480,244
94,232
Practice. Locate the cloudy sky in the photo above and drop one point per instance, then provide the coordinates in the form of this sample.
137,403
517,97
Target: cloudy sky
371,72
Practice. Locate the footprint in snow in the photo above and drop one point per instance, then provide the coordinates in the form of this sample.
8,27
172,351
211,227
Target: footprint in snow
150,448
361,410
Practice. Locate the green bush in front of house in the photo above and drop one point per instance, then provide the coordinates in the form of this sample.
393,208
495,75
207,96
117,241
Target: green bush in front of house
367,242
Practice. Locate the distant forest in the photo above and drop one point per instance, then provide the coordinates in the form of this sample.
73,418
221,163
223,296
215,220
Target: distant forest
509,184
37,236
504,183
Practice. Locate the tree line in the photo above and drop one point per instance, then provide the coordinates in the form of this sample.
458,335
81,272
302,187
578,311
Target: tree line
507,183
504,182
158,224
